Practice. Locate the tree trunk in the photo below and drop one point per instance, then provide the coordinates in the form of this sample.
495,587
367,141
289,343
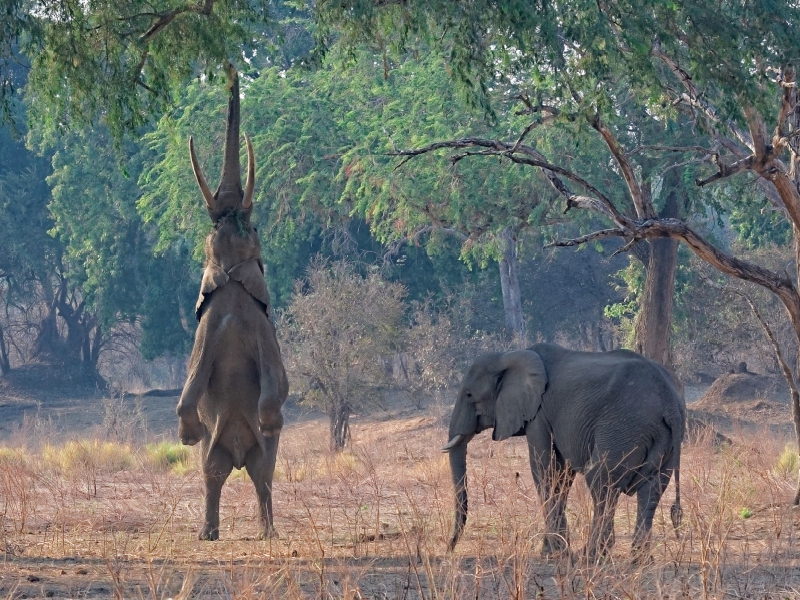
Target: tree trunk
512,297
340,425
5,363
654,323
793,120
653,326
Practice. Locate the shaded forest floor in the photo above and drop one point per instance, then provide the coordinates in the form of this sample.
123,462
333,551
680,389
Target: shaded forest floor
371,522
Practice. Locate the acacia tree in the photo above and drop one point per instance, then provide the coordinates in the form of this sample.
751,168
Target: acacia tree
725,66
122,61
336,330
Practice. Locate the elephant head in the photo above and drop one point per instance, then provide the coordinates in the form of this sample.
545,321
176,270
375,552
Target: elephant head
500,390
229,197
233,249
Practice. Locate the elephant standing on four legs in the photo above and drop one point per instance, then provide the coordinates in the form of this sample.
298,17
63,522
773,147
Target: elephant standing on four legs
613,416
236,386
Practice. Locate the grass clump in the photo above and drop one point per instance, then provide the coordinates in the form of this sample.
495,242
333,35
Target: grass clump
788,462
13,457
169,455
94,455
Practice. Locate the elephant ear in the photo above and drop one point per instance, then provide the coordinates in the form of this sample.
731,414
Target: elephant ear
250,274
522,382
213,277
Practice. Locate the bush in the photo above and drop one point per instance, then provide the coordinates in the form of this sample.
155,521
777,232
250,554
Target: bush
788,462
169,455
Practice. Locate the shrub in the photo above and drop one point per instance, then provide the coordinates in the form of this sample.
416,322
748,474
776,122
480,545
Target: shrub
788,462
169,455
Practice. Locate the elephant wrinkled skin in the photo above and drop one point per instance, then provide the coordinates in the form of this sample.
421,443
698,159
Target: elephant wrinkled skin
232,398
613,416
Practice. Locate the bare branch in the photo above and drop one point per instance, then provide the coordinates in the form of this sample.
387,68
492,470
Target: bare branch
694,97
590,237
656,147
641,200
166,18
727,170
779,284
787,370
531,157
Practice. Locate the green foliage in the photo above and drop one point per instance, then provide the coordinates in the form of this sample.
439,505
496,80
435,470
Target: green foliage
125,60
624,313
576,46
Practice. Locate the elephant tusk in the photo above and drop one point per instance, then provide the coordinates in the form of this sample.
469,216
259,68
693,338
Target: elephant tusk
201,181
247,201
452,443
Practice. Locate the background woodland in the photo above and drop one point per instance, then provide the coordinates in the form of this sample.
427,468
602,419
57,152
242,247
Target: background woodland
400,162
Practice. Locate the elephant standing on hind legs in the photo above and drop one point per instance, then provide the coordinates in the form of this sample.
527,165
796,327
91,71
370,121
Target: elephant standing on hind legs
613,416
236,386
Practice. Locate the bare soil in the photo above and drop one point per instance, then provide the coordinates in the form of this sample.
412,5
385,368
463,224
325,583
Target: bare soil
371,522
746,401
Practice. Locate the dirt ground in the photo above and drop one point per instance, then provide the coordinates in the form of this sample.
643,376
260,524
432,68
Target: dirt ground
371,522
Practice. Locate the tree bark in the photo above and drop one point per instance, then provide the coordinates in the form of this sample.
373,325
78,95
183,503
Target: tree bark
653,327
5,363
654,323
340,425
512,297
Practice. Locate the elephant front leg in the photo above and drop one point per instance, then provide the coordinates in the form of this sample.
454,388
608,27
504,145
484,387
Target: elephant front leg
260,465
190,429
216,468
553,481
274,387
601,531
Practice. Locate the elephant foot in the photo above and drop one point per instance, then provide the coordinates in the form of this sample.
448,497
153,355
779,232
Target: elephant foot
640,555
270,422
209,534
595,555
554,547
190,429
269,533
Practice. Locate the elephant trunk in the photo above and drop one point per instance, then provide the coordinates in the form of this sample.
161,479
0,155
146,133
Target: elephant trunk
463,425
458,470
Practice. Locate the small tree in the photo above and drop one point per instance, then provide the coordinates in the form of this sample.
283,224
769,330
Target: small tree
336,330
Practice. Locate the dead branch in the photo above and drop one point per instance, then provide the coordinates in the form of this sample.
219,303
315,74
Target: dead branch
693,96
165,19
531,157
727,170
641,200
779,284
787,371
658,148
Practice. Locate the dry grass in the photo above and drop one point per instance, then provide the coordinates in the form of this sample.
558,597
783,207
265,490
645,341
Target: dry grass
372,523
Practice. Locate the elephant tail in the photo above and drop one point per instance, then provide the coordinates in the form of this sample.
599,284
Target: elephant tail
676,512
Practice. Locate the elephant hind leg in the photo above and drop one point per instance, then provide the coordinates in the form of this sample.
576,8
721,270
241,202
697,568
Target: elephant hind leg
648,496
216,468
260,465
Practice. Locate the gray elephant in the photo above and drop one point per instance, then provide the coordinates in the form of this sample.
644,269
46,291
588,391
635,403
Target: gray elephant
236,385
613,416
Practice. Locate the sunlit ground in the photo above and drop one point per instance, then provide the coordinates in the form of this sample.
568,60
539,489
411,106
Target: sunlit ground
93,519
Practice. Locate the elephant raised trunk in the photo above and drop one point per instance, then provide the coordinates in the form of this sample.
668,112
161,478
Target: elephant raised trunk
229,195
